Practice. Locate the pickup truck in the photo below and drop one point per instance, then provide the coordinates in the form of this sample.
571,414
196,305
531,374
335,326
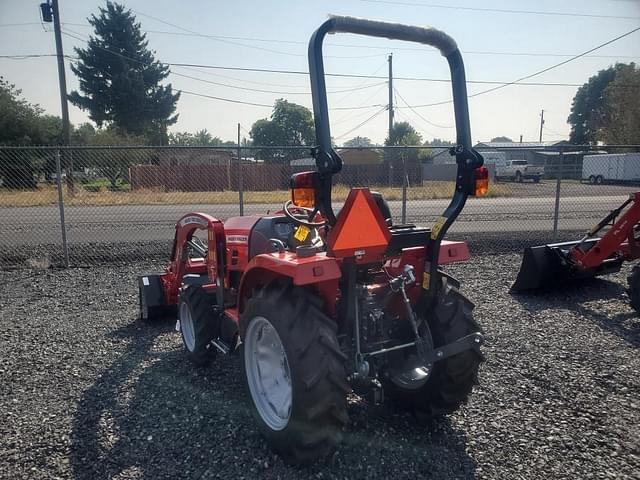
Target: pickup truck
519,170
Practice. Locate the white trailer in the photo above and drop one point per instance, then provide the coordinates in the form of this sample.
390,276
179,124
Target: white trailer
611,167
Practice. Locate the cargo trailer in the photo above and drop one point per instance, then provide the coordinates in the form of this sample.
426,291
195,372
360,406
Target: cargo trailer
611,168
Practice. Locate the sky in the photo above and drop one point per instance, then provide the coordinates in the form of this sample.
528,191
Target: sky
496,46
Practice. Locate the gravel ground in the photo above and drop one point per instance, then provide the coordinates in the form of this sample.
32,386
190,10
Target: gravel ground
89,392
127,252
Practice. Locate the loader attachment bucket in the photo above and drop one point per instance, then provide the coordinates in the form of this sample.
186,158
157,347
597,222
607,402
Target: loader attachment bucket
548,266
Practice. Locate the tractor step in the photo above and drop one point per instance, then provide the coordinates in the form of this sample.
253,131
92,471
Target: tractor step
547,266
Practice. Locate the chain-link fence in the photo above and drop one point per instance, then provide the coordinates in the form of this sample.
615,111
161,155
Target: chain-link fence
84,205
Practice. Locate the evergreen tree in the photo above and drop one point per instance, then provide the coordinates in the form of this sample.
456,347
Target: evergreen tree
120,78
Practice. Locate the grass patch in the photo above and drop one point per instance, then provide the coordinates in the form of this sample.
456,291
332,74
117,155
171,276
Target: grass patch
98,194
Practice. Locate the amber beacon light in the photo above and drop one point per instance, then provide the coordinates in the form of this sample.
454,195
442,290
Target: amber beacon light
482,181
303,192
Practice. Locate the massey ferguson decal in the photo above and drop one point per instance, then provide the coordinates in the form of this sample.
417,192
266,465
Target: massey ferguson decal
237,239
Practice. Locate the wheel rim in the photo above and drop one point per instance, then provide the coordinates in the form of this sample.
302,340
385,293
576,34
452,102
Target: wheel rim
268,373
186,327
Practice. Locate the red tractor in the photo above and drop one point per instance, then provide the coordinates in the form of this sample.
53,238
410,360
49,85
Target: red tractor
319,304
552,265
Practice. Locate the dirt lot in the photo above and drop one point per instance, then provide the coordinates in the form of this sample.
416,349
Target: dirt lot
89,392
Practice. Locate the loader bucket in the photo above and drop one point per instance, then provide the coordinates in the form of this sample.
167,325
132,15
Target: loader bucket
547,266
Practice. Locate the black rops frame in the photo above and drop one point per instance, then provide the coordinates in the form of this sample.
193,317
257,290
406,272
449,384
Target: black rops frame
327,160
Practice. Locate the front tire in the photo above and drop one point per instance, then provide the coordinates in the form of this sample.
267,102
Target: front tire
198,324
452,379
634,287
294,373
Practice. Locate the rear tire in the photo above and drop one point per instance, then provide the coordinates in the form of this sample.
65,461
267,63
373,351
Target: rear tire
198,324
518,177
311,363
634,287
536,179
452,379
592,179
599,180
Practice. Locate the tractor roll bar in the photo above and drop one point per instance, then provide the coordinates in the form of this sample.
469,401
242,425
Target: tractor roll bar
327,160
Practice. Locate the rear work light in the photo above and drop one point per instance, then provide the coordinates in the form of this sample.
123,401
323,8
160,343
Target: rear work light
482,181
303,189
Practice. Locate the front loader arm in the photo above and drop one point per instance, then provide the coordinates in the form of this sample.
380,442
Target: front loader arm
215,253
619,238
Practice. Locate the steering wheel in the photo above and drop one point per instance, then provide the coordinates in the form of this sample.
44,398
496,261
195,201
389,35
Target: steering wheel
310,212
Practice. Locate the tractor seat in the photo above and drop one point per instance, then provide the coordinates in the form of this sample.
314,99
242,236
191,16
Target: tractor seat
384,208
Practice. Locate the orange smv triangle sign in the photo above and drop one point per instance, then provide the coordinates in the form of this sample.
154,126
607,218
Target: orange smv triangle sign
360,230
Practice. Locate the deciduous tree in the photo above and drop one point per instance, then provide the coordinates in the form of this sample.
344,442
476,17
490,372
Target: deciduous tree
290,125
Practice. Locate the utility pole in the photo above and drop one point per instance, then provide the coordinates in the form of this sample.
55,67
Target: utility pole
390,59
49,9
390,94
541,124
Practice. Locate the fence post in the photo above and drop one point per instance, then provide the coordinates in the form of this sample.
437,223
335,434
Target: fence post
390,153
240,186
556,213
405,181
63,225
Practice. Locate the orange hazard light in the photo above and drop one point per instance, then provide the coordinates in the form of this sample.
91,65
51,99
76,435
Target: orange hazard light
482,181
303,189
360,231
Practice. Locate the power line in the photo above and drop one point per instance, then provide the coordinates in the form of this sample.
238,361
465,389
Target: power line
419,115
352,75
502,85
222,99
342,99
270,91
500,10
402,115
373,77
32,55
517,81
343,45
242,102
224,39
362,123
379,77
353,116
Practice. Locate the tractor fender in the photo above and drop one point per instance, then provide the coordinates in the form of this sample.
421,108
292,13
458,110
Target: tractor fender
318,272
